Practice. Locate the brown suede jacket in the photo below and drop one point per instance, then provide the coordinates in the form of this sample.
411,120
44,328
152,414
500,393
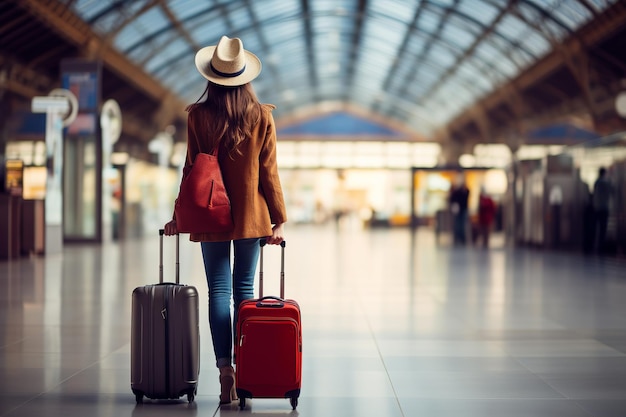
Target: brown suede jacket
251,178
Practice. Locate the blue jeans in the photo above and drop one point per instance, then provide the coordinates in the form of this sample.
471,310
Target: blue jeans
225,285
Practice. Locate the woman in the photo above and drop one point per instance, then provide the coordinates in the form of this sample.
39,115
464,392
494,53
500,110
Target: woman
486,215
232,119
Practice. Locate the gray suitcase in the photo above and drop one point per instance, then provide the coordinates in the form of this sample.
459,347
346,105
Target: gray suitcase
165,338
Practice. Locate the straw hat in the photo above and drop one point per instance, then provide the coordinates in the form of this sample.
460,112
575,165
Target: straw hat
227,63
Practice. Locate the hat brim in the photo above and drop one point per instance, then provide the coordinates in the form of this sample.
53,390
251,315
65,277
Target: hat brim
203,64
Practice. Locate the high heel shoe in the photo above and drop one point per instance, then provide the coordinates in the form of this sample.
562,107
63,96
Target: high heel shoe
228,391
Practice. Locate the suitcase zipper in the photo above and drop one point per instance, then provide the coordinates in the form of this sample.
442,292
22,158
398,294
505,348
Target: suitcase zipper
274,319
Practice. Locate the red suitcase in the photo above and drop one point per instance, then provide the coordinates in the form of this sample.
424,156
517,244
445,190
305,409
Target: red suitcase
165,338
269,345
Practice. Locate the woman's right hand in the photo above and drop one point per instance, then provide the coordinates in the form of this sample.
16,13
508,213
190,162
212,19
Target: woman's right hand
170,228
278,235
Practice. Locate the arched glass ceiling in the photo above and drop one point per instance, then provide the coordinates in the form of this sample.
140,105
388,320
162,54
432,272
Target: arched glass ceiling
419,62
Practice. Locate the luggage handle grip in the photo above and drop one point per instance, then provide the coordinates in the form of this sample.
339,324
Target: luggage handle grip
263,242
161,233
275,302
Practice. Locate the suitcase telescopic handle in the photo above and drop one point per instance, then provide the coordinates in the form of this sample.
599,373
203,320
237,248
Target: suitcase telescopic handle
262,243
161,234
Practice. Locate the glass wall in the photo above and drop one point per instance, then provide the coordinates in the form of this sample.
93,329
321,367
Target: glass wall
80,189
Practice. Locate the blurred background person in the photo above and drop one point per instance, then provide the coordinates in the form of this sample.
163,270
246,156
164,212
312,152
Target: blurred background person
459,196
602,190
486,216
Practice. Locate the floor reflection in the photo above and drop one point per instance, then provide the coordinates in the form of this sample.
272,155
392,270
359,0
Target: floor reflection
394,325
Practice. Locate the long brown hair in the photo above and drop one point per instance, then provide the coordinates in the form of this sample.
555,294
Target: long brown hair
232,113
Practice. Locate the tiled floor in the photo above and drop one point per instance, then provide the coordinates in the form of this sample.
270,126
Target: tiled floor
394,325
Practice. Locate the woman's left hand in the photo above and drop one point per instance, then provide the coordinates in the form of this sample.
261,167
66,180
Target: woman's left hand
170,228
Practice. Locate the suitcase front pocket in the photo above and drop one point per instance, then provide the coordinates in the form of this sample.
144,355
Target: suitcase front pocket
269,352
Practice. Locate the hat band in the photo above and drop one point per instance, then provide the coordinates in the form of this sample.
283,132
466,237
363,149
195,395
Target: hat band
226,74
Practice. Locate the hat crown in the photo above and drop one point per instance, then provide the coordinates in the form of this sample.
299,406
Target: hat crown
229,57
228,63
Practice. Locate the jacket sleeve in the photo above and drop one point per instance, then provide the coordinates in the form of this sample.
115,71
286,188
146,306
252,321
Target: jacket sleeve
268,175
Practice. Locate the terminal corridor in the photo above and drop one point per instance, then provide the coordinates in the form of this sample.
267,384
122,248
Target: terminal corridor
393,325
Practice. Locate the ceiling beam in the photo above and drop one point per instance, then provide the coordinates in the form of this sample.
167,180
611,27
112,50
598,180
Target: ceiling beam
603,27
77,32
355,45
307,17
22,80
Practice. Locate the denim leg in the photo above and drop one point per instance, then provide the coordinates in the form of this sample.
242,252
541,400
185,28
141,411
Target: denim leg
216,257
245,262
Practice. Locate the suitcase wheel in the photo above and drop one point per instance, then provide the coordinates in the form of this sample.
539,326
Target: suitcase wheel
191,394
139,397
294,402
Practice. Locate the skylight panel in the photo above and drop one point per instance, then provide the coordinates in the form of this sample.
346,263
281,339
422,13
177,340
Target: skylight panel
128,37
441,56
105,16
146,25
364,97
471,79
332,7
166,52
190,85
181,84
399,11
542,18
472,27
292,51
329,88
425,76
90,8
403,72
297,74
444,3
478,10
573,14
454,97
391,31
370,68
494,49
153,20
415,44
251,41
374,42
379,46
184,9
289,30
270,10
534,42
179,73
209,31
429,21
511,27
570,13
239,15
456,36
326,24
499,59
107,23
